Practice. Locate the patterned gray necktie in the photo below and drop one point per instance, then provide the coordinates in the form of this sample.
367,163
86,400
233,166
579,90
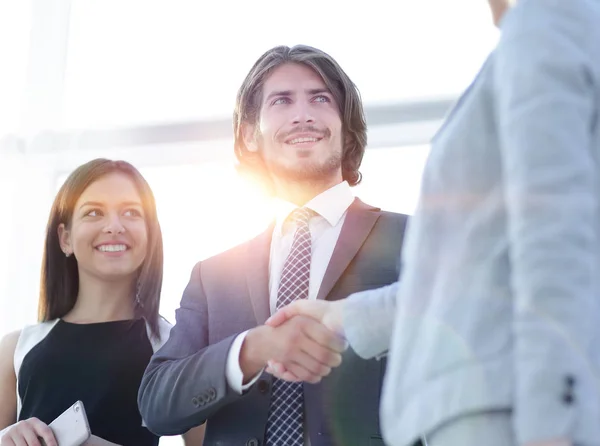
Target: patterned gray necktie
285,424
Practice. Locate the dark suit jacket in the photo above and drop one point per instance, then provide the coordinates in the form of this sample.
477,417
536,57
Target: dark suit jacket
185,384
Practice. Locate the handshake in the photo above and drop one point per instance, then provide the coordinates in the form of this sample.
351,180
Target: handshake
300,342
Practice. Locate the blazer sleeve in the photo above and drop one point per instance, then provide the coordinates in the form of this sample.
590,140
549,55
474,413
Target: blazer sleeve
546,105
185,382
369,320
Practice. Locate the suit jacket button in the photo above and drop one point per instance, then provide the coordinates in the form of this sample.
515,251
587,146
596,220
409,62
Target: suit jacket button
568,398
195,402
252,442
212,394
263,386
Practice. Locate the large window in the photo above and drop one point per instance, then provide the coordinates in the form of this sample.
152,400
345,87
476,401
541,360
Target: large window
15,21
140,61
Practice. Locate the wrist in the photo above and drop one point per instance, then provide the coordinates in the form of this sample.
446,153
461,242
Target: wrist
253,354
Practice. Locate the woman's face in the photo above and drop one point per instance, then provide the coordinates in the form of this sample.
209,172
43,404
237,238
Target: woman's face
108,234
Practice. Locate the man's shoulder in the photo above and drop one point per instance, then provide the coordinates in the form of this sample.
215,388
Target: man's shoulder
391,223
385,214
394,215
387,226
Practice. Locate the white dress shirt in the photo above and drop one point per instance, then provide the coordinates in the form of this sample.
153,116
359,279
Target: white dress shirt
331,207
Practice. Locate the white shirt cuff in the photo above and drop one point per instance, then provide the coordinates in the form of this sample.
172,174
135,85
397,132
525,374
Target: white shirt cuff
233,370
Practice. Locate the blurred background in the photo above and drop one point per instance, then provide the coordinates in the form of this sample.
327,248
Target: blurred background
154,83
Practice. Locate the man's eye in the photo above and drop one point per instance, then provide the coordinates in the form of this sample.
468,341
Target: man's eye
279,101
321,98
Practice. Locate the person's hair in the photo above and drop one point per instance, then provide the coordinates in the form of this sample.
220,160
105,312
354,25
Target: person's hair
347,96
60,277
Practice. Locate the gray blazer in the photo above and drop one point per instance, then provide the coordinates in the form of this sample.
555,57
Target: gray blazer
185,384
499,302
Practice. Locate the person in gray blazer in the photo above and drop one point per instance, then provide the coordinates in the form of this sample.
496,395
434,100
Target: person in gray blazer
495,333
300,128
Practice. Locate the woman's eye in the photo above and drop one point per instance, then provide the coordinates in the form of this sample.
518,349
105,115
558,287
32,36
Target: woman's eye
133,213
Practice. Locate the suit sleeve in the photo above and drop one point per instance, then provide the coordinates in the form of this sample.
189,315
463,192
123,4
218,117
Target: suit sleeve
545,107
369,320
185,381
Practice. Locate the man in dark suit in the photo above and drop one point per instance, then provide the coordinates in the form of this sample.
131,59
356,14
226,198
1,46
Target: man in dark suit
300,127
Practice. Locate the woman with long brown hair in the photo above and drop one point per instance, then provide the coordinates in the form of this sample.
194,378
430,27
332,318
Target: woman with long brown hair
98,312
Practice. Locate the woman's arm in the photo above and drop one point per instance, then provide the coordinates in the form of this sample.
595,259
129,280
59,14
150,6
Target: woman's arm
8,380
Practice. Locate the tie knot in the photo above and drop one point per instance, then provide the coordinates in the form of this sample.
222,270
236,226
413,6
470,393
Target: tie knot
301,216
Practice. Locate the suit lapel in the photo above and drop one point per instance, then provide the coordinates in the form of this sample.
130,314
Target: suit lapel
360,219
257,274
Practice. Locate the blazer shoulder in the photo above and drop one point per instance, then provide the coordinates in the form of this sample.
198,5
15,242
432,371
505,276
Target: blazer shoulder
385,217
361,205
395,217
392,223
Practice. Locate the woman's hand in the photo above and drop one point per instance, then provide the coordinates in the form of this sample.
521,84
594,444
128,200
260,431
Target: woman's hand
30,432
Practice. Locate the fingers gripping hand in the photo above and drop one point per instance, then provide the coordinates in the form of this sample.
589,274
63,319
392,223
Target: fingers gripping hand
30,432
307,350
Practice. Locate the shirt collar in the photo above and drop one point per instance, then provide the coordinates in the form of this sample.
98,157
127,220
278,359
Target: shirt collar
330,204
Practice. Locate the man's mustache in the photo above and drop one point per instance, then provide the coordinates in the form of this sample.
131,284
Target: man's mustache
321,133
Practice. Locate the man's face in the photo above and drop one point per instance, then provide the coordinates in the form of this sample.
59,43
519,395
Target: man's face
299,130
499,8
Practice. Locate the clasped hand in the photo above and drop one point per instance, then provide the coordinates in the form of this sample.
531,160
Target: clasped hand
328,315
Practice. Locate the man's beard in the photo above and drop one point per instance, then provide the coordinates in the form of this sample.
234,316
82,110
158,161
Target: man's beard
312,172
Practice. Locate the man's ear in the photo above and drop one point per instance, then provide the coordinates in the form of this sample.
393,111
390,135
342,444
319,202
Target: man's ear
249,135
64,238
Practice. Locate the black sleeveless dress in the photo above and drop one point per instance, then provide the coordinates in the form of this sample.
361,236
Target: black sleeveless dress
100,364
